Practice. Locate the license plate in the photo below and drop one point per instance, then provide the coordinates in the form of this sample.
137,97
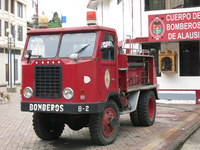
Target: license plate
46,107
84,108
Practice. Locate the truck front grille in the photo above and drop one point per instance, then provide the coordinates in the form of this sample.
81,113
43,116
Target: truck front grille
48,81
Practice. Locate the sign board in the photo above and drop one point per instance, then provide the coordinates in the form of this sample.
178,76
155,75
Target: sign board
64,19
174,26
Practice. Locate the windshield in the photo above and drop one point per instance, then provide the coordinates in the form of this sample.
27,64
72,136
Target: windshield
43,46
81,43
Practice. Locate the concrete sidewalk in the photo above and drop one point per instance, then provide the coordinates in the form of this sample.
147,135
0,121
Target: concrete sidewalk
173,125
192,142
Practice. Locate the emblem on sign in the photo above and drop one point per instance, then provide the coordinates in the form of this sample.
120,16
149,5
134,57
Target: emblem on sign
107,78
157,28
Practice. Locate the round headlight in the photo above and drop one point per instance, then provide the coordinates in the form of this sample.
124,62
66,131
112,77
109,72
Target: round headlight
27,54
68,93
28,92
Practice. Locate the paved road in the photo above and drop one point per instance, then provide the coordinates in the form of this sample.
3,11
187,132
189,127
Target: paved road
174,123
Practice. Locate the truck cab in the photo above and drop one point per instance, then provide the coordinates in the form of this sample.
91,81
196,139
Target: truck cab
69,67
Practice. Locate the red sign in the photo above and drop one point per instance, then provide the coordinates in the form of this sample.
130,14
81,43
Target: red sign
174,26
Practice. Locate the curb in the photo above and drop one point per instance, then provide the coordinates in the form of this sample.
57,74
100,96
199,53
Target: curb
177,144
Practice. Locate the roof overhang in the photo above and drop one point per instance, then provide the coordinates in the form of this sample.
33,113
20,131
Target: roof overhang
93,4
138,40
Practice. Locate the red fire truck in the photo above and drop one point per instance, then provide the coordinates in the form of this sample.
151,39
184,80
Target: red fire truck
79,77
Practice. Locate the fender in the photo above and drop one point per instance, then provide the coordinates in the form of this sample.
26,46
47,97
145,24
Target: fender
133,101
116,97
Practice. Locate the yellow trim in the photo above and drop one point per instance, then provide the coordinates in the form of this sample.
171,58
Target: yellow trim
172,55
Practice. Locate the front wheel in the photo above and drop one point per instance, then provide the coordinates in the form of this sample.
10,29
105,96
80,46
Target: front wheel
47,126
105,126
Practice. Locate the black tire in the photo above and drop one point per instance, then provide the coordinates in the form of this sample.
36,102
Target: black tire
102,132
47,126
146,108
134,118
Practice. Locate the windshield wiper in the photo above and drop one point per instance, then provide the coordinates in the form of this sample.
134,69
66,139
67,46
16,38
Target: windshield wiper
82,49
75,56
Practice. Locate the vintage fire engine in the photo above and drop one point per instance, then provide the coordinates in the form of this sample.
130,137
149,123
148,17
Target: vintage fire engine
79,77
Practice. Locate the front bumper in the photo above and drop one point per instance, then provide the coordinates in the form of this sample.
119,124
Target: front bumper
78,108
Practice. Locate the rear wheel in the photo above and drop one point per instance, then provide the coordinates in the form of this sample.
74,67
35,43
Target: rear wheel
146,108
104,126
134,118
47,126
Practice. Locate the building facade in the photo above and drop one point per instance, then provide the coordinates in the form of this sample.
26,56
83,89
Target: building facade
168,27
13,14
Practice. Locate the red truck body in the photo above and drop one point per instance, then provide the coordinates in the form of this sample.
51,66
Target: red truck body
75,86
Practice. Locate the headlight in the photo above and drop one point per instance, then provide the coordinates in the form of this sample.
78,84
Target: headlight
27,54
28,92
68,93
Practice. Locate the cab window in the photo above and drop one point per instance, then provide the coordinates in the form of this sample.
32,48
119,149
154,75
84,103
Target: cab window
108,54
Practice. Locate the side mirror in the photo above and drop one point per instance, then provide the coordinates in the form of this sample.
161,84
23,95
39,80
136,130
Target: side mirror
107,45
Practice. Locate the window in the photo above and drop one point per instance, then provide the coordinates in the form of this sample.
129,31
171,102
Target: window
6,5
174,4
12,30
17,52
43,46
170,4
154,5
191,3
155,46
16,69
118,1
6,67
81,43
20,33
0,27
6,50
6,27
189,58
12,6
1,50
19,10
108,54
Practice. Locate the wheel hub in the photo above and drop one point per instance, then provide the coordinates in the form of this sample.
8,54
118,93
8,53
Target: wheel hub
112,122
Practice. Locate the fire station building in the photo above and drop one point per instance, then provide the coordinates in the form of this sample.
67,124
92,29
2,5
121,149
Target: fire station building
170,29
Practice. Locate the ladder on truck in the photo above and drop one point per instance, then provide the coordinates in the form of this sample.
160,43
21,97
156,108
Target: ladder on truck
130,50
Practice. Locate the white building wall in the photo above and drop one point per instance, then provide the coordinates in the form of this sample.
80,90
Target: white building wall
31,10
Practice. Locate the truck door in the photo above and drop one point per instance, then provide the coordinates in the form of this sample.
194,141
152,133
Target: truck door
108,68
